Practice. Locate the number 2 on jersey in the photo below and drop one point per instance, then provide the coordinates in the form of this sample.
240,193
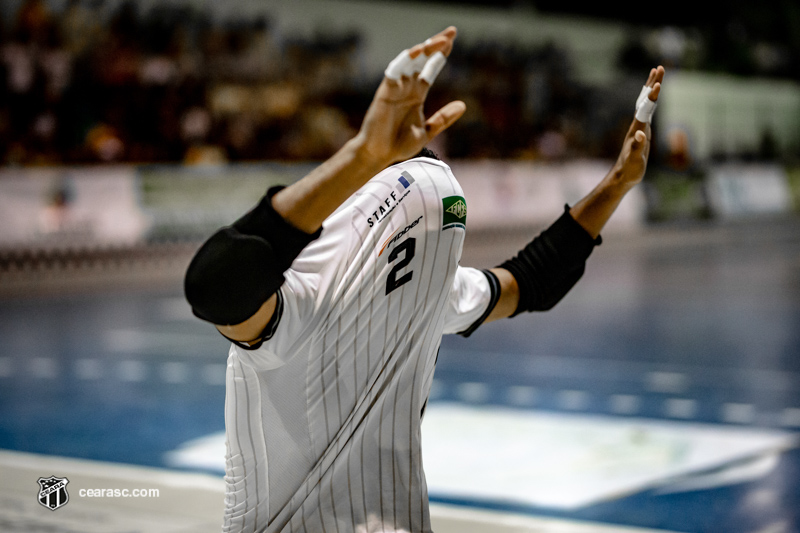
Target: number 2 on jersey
407,247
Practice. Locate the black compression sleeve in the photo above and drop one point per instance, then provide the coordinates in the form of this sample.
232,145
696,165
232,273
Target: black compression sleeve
263,221
550,265
241,266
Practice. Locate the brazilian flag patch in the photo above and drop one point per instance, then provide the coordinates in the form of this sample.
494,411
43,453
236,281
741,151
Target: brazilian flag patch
454,212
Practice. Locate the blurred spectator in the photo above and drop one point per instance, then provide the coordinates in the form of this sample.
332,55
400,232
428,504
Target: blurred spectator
678,154
33,20
105,144
171,84
80,27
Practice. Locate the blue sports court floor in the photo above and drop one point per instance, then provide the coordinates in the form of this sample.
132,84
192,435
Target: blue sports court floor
663,392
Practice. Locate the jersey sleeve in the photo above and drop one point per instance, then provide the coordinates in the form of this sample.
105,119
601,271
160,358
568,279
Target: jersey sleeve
472,298
293,311
303,299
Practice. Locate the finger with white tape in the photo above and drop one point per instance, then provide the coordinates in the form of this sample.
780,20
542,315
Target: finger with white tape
644,106
416,65
398,65
404,65
433,67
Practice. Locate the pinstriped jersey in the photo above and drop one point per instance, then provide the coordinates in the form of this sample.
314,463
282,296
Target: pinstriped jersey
323,420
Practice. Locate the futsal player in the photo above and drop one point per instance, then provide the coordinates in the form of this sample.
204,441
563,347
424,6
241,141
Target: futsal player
335,293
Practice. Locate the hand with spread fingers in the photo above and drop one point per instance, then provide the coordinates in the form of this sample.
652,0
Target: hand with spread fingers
632,160
395,127
593,211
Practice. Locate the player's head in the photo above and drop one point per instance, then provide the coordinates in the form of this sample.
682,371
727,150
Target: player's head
427,152
226,283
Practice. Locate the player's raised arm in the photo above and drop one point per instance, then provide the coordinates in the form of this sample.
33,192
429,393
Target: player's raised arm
233,279
593,211
547,268
394,128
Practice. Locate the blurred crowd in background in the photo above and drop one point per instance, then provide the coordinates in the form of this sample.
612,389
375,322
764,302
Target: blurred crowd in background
173,85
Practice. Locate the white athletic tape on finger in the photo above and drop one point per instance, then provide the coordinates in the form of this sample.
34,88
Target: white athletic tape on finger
416,65
644,106
398,65
403,65
433,67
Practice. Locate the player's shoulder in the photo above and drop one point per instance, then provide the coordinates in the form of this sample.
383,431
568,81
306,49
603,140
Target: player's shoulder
420,168
427,163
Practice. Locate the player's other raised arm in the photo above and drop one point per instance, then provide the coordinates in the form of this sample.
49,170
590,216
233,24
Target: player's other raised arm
547,268
593,211
233,279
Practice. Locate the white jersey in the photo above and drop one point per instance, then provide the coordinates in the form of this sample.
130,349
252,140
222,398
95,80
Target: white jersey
323,420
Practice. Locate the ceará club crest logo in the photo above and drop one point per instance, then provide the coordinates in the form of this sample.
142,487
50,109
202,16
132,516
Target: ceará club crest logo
53,492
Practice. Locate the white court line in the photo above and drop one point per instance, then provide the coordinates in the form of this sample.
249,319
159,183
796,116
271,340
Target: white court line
88,369
738,413
624,404
438,389
668,382
652,374
684,408
131,371
174,372
522,395
135,340
573,400
473,392
43,367
214,373
791,417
